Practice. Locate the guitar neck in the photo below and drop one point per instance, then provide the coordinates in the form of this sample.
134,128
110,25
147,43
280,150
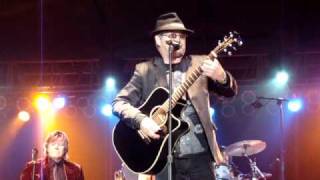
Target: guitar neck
195,74
185,85
182,89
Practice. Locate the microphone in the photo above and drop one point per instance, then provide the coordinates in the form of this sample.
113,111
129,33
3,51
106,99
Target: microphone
174,44
34,154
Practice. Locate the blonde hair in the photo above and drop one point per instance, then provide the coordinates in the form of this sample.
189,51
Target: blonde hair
52,137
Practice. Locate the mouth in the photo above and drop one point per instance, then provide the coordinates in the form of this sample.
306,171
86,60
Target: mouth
178,54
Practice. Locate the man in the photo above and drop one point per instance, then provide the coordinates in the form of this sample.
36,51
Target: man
196,151
55,166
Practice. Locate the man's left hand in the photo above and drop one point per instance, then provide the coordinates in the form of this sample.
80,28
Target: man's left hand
214,70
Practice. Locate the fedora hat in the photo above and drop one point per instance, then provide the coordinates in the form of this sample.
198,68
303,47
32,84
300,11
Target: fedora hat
170,22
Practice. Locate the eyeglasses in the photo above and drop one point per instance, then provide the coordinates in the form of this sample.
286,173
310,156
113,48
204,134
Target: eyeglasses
173,35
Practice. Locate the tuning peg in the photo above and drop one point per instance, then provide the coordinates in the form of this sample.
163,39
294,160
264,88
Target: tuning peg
229,53
234,48
231,34
225,50
240,43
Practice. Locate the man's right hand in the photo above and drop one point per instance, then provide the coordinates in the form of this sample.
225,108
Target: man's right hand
150,128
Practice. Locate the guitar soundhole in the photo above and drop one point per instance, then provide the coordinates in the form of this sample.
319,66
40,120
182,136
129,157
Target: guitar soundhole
159,116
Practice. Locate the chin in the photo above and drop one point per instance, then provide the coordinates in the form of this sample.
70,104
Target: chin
176,61
56,156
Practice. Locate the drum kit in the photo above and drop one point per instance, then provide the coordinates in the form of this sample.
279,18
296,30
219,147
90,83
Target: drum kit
244,149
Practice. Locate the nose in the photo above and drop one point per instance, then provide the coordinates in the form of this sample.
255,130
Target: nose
176,38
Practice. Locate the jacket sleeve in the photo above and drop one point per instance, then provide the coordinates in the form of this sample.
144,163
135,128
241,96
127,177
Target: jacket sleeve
81,175
27,172
125,104
229,89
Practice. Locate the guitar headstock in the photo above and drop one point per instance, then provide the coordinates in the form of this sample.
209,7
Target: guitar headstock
229,44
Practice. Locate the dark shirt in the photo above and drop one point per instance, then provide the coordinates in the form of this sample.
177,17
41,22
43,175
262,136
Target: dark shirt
57,171
194,142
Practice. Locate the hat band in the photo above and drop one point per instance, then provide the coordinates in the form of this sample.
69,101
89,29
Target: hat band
179,26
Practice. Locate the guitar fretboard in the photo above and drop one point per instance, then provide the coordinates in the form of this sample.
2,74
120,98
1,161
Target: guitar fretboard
192,77
182,89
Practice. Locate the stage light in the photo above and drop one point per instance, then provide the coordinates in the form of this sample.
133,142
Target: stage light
83,101
107,110
24,116
228,111
212,111
110,83
295,105
42,103
58,103
23,103
281,78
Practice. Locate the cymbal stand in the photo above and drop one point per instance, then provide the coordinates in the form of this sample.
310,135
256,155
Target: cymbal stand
256,172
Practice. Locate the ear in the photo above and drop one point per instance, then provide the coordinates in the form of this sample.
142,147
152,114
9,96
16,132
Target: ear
45,148
66,149
157,40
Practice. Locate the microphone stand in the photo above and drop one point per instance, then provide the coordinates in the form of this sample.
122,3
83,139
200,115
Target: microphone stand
170,156
34,157
280,104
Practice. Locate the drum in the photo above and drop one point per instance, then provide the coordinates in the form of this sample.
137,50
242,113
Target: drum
223,172
244,177
129,175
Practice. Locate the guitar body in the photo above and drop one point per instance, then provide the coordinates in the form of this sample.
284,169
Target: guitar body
142,157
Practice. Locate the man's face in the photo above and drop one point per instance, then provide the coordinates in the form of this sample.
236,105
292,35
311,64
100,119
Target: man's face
56,149
163,47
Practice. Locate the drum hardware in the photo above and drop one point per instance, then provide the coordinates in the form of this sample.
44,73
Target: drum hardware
256,173
223,172
245,149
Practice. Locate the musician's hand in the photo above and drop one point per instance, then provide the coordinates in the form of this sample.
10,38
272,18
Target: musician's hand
214,70
150,128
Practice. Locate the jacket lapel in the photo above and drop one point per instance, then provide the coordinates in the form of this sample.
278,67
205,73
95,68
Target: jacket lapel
160,73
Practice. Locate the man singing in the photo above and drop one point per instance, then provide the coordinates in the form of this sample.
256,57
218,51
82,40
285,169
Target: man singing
196,150
55,165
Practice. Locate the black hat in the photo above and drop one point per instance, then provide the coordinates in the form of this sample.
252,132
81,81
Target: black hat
170,22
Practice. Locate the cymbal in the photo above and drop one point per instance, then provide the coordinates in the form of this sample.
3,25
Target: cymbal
246,147
267,175
250,176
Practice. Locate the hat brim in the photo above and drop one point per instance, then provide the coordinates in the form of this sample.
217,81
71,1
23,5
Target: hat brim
157,31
